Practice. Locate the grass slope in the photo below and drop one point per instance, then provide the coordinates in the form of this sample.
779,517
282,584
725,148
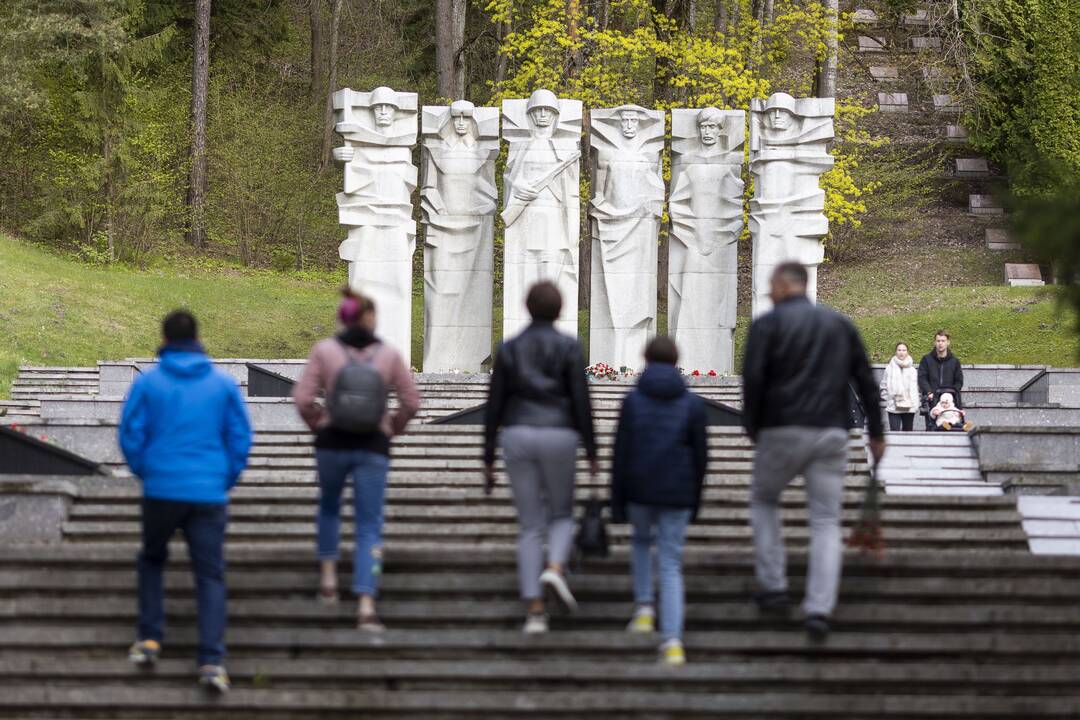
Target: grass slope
54,311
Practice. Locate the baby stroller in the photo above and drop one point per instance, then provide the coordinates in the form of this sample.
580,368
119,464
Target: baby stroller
929,403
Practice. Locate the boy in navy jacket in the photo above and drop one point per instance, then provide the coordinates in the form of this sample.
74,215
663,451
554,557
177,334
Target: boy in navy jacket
185,433
658,473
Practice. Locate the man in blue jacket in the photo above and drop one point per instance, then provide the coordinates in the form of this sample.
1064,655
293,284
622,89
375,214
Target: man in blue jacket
656,480
185,433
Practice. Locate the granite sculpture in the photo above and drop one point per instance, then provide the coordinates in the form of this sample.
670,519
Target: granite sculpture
788,154
379,130
624,218
458,200
542,204
706,210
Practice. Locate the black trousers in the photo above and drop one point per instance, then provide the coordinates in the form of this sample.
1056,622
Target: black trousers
902,421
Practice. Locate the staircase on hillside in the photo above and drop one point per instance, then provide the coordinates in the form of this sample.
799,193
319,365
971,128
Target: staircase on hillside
932,463
958,620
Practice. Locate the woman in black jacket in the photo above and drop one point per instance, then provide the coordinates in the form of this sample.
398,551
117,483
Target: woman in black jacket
658,473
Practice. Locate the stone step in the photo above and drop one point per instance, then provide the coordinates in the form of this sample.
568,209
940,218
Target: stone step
892,102
1023,275
884,73
926,43
956,134
984,205
871,44
1000,239
976,168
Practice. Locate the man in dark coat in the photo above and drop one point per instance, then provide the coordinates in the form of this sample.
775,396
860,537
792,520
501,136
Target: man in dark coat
798,363
940,369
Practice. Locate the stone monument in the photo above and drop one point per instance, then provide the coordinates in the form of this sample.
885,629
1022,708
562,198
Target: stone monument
624,217
706,210
542,204
788,154
458,199
379,129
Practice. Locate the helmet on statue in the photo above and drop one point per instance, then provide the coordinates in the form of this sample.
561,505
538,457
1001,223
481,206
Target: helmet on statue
542,99
385,96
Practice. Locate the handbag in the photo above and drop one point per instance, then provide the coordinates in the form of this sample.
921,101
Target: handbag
592,538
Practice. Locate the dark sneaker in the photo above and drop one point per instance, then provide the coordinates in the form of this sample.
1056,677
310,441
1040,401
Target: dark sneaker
773,602
214,677
144,652
817,628
555,582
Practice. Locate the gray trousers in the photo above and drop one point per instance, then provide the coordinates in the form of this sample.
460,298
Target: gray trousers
820,456
541,462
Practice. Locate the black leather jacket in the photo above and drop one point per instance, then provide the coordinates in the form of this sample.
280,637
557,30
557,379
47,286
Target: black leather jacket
799,360
936,373
538,379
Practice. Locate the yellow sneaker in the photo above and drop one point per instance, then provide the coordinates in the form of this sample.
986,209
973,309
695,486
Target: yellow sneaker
672,653
144,652
643,622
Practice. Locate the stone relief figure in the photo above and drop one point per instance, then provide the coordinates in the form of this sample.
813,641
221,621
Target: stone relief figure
706,211
624,217
542,204
379,129
788,154
458,199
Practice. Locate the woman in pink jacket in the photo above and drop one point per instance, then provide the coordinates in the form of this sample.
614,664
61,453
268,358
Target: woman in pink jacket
365,456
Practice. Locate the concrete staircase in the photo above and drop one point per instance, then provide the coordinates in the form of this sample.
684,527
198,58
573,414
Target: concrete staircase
958,620
933,463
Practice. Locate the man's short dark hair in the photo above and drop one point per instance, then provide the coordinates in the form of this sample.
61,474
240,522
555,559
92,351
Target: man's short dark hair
662,349
792,272
179,325
943,334
544,301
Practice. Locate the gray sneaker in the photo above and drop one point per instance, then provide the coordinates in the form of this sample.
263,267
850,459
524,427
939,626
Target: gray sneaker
214,677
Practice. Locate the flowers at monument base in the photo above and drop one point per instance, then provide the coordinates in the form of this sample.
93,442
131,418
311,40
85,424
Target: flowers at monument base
603,371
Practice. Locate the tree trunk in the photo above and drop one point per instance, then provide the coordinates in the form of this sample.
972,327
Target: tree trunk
502,62
767,12
328,112
449,42
200,82
573,59
720,16
825,77
690,14
315,16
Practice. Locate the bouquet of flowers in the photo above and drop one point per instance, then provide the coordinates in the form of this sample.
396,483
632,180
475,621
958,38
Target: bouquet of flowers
867,535
603,371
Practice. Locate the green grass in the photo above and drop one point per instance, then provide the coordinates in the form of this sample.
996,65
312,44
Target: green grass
55,311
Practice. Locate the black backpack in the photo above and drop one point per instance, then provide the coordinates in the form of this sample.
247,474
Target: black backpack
358,401
592,532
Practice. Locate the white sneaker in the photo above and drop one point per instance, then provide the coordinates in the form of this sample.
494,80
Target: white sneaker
557,584
672,653
535,624
644,620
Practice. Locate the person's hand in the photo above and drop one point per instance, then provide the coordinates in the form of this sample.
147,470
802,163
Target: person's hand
594,468
877,449
489,478
929,396
527,193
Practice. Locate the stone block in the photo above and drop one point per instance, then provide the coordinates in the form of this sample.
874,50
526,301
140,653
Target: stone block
884,73
946,104
956,134
972,168
868,44
1023,275
984,205
926,43
999,239
864,16
919,18
33,509
892,102
114,378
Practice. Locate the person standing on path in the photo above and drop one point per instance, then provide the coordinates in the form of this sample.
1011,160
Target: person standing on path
185,434
900,390
798,363
345,448
656,481
540,398
939,368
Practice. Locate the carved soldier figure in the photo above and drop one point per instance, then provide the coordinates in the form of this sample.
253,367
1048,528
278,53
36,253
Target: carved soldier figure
706,210
624,215
379,129
788,154
542,204
458,200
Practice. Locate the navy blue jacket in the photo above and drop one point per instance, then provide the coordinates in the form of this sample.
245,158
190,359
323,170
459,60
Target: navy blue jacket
660,446
185,430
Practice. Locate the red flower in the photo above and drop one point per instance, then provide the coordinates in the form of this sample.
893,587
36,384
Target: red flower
712,373
696,373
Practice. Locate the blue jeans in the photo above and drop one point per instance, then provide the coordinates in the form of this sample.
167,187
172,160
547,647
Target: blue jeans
203,525
368,471
665,528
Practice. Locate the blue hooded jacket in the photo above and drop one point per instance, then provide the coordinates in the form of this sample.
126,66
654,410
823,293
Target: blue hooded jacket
185,430
660,445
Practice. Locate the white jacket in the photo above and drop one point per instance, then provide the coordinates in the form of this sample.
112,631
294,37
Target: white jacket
900,383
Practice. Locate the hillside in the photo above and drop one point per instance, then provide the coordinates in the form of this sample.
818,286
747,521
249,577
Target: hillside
55,311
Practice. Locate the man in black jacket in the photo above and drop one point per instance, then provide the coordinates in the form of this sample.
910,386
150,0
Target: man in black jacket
540,399
940,369
798,363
